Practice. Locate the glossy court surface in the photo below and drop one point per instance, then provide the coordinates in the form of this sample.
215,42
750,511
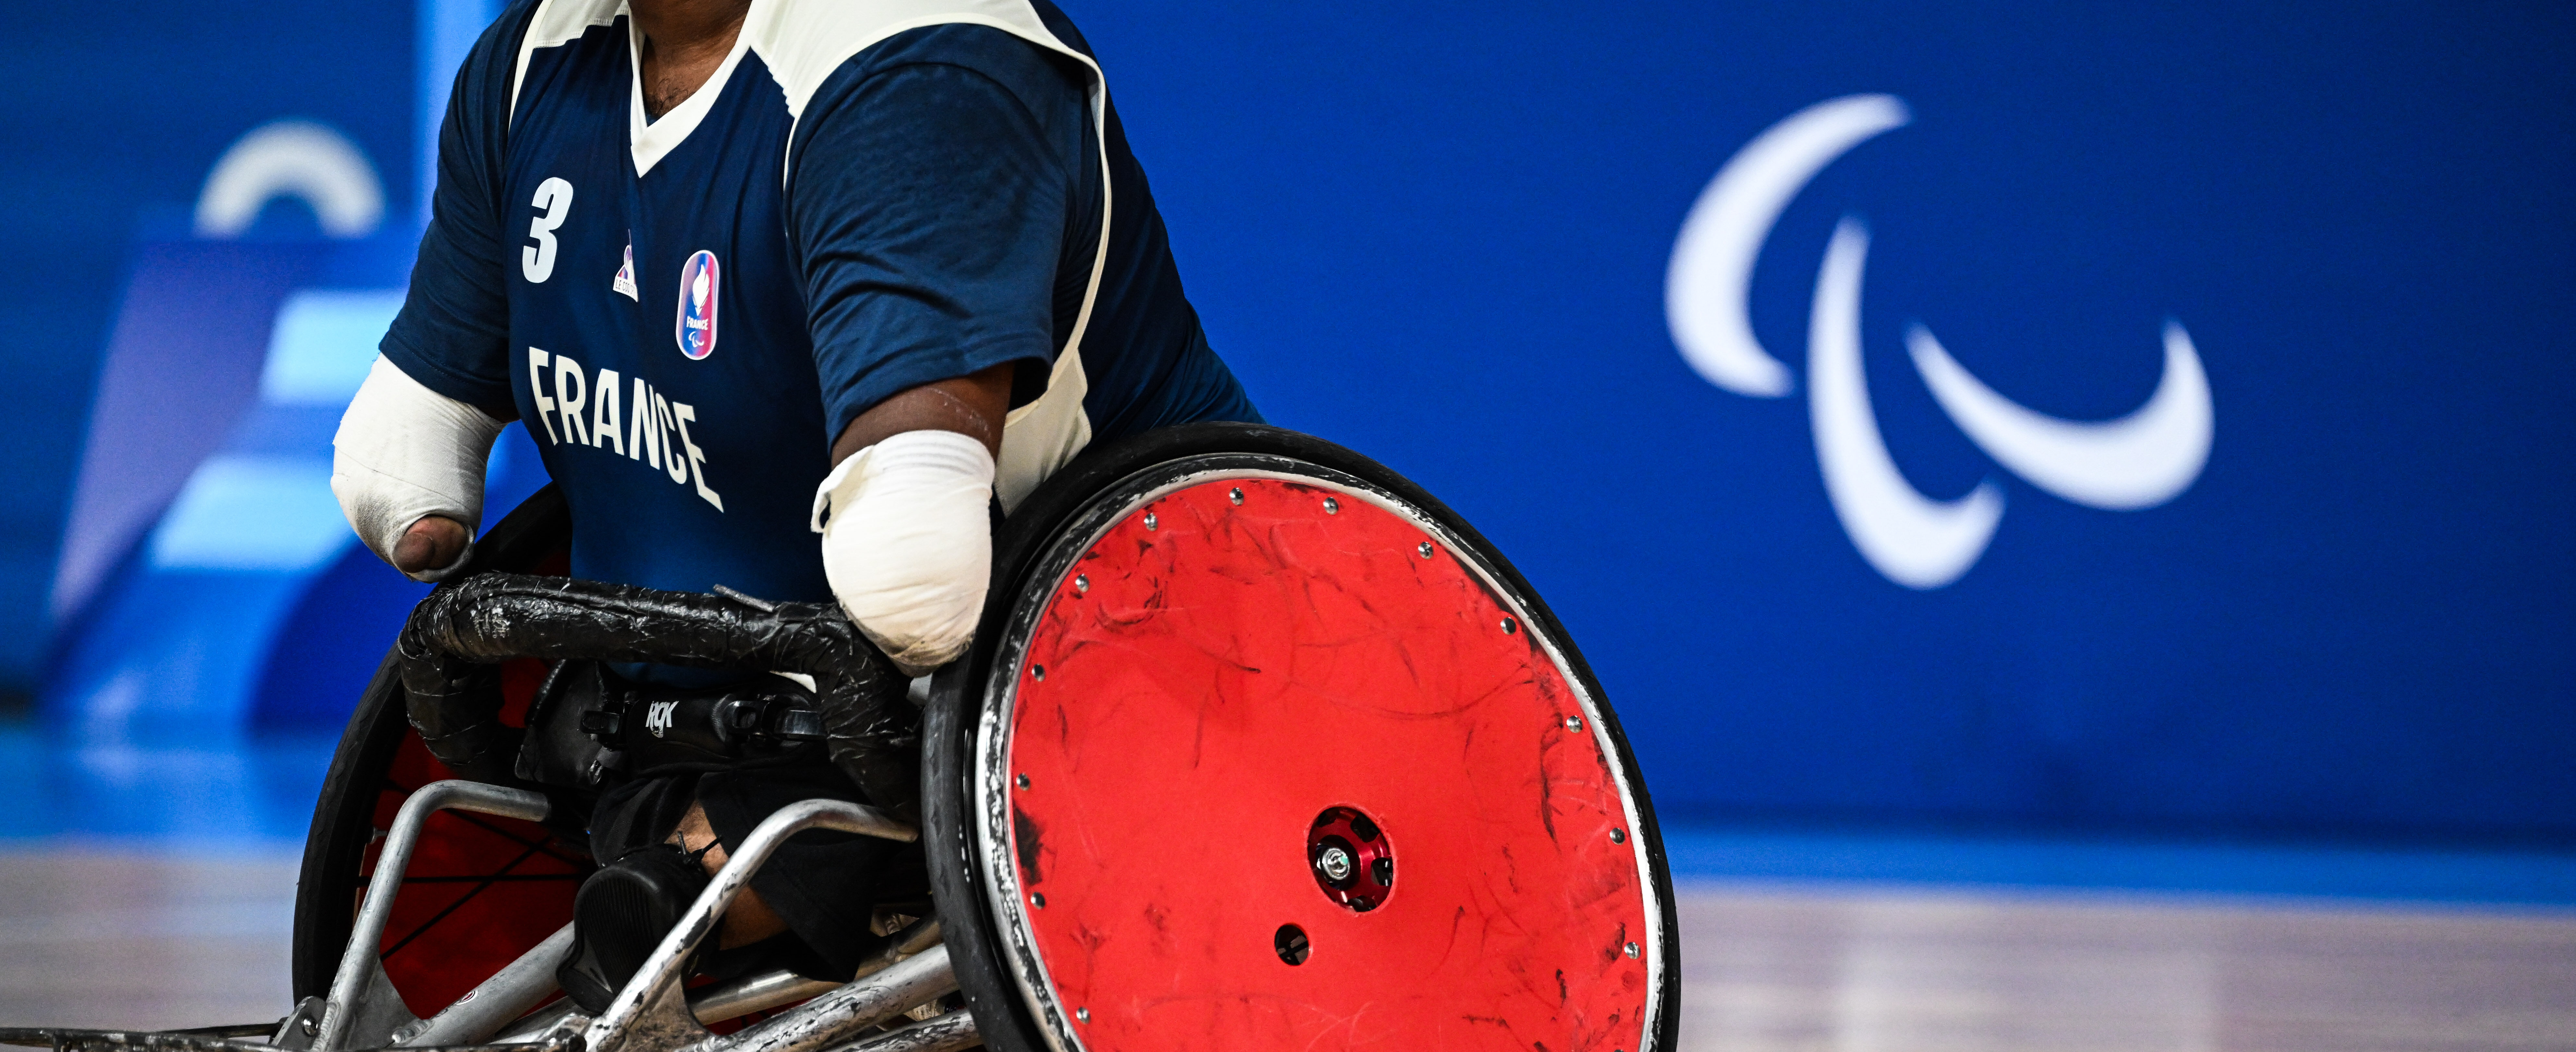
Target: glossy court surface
90,937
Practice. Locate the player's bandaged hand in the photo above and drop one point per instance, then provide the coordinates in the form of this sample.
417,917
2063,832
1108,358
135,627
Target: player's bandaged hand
908,543
405,452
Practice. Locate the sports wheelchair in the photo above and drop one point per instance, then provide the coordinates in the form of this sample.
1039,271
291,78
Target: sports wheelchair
1259,746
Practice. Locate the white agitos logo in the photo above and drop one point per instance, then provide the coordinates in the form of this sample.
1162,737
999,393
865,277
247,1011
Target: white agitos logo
2137,461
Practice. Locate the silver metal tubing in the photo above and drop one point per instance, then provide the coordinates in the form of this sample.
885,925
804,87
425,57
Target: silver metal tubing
760,993
915,937
509,993
359,968
656,983
69,1040
295,1032
943,1033
838,1016
66,1039
538,1024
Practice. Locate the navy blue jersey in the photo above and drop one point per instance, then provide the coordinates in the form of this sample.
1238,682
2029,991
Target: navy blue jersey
868,195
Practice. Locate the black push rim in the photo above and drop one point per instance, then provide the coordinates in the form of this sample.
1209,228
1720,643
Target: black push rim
960,695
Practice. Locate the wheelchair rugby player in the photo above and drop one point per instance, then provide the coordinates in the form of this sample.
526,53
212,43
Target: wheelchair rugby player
877,319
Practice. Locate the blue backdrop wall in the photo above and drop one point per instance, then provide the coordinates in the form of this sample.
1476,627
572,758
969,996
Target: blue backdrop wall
2326,589
113,118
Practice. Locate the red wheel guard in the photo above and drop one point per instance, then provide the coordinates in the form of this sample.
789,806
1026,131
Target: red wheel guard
1228,662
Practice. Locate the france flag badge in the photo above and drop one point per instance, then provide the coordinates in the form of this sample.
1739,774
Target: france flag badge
698,289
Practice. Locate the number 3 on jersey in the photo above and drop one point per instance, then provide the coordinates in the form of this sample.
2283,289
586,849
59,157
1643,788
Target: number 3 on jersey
554,204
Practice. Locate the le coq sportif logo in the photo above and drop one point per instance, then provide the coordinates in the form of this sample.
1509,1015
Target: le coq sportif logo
2136,461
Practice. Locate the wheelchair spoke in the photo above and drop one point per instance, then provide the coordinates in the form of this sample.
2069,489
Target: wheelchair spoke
540,846
461,900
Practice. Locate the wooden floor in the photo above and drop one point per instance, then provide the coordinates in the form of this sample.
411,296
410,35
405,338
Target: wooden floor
105,939
143,940
1932,971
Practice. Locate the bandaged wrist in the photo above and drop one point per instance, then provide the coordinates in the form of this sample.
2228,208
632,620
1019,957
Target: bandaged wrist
405,452
908,543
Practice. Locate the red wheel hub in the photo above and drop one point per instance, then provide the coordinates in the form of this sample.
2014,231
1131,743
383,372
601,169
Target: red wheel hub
1353,863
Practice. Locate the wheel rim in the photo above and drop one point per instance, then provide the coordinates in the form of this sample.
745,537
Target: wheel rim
1154,936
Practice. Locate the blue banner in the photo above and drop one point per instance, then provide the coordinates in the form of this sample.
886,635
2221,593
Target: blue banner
2019,414
2147,418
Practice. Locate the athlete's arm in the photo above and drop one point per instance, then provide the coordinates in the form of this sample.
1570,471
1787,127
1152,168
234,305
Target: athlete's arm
973,406
407,468
930,206
448,348
905,515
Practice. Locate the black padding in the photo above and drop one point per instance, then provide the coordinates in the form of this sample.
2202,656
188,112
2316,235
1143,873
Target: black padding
457,634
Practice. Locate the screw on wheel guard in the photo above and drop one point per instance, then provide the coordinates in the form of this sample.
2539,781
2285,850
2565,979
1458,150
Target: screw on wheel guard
1207,671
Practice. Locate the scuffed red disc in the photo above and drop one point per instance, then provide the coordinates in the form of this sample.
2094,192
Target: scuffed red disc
1226,662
